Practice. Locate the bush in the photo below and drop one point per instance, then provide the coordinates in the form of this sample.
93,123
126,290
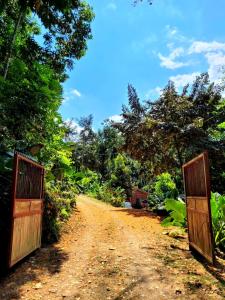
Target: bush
114,196
163,188
59,201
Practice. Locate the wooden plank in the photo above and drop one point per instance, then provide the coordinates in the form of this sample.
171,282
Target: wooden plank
27,211
194,160
197,190
27,199
24,158
26,237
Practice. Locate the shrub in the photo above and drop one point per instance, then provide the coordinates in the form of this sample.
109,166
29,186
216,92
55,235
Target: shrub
163,188
59,201
114,196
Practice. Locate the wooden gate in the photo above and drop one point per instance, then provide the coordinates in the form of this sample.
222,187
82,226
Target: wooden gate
197,189
27,198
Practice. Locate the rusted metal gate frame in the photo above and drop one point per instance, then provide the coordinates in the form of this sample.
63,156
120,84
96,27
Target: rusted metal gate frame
204,157
17,157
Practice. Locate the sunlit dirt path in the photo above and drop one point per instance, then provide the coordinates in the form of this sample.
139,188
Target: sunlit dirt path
113,253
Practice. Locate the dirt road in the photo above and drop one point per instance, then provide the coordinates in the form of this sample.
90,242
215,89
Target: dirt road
113,253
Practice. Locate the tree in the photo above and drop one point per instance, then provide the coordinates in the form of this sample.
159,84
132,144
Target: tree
84,155
109,143
66,30
139,1
132,118
31,93
176,127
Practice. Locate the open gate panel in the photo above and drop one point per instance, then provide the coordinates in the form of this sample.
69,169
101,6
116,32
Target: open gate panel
197,189
27,198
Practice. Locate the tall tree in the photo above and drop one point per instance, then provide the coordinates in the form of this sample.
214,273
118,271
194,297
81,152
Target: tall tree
177,127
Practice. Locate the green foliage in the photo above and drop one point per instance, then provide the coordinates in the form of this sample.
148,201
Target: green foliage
120,174
31,76
218,219
99,153
163,188
66,31
89,182
86,180
177,213
59,201
177,216
171,130
114,196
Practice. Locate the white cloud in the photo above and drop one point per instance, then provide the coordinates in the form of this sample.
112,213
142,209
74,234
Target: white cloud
154,93
216,62
201,47
75,92
181,80
115,118
170,62
71,94
174,34
111,6
214,54
171,31
185,52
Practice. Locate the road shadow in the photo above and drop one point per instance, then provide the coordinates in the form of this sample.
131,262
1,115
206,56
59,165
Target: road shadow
139,213
129,288
45,260
217,269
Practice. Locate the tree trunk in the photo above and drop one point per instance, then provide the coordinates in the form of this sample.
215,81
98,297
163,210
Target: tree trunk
9,53
178,154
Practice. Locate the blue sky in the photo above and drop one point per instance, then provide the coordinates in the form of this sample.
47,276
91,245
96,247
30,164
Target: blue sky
145,46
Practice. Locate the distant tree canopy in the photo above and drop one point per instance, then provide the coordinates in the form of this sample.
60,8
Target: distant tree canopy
138,1
176,127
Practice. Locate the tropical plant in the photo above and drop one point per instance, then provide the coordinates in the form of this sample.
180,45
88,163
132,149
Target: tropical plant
177,216
218,219
177,213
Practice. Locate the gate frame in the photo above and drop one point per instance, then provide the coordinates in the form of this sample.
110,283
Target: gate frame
17,157
205,158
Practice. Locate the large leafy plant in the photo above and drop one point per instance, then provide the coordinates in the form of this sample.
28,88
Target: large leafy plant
177,213
177,216
218,218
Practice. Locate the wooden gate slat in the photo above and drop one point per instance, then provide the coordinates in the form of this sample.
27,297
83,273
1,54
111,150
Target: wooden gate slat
197,190
27,208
